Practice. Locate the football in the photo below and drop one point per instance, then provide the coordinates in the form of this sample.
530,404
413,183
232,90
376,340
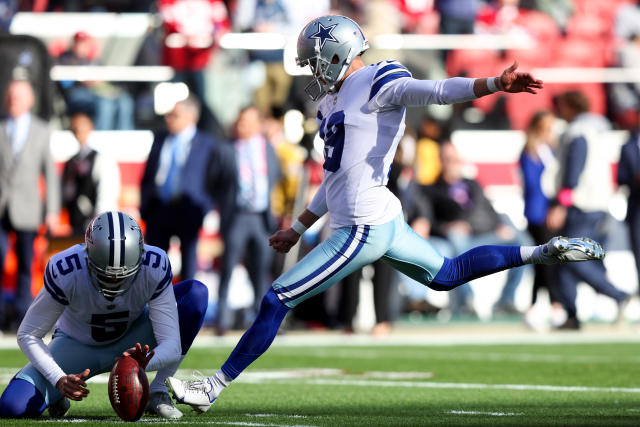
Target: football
128,389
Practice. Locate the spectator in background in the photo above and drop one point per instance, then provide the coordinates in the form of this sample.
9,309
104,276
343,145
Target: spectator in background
8,9
24,158
427,159
585,189
291,157
247,235
537,156
629,175
559,10
110,105
626,96
463,215
501,17
174,198
192,29
627,21
457,16
90,179
284,17
267,16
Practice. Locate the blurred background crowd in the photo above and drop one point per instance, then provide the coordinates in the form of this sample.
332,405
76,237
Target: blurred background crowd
191,116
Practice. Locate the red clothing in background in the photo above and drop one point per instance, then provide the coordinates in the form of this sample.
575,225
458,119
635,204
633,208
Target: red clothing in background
192,28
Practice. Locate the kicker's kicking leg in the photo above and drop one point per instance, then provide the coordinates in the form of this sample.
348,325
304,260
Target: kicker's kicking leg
415,257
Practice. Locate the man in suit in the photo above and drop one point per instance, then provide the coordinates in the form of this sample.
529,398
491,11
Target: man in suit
174,199
629,175
24,158
247,232
90,179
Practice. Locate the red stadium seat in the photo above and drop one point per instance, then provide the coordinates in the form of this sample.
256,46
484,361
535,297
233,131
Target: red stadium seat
589,26
539,25
578,52
472,63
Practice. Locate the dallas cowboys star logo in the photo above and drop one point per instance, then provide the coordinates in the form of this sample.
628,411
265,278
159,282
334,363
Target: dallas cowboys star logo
324,34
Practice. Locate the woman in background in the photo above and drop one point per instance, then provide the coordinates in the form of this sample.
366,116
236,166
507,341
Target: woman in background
537,156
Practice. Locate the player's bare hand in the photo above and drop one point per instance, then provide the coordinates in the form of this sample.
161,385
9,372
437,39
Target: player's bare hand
514,82
283,240
73,385
142,355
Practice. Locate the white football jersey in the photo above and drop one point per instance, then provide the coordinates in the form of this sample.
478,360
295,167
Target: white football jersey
88,316
361,138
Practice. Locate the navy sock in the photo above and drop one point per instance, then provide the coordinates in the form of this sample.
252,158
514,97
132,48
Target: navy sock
192,298
477,262
21,399
258,337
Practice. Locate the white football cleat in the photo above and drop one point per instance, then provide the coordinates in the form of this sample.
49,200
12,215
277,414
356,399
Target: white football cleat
564,249
199,394
161,404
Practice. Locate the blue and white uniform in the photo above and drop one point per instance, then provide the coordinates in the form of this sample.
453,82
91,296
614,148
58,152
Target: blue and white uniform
90,330
361,126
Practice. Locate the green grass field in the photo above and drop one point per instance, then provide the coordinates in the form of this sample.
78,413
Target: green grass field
373,384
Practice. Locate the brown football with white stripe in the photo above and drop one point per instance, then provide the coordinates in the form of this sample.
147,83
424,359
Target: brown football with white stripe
128,389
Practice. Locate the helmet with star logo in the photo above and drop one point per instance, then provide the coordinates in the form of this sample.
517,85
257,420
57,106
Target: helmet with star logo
328,45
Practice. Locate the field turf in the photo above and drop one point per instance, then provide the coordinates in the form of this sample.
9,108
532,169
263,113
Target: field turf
378,384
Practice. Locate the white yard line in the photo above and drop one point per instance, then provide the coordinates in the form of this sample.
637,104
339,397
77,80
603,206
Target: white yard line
494,414
160,421
275,415
469,386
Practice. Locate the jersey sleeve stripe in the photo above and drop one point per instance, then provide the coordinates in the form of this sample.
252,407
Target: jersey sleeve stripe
166,281
319,115
53,289
384,80
395,66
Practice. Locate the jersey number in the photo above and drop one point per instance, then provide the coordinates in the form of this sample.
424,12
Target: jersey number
72,261
333,140
106,327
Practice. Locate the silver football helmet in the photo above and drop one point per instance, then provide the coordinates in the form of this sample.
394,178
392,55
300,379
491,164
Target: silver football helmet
115,250
328,45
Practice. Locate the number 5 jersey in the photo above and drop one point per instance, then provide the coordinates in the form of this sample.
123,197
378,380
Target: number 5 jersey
72,302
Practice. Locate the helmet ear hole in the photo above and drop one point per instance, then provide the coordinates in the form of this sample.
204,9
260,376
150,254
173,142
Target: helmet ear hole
335,59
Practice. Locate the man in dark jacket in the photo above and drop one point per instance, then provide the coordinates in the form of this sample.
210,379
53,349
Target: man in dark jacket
246,232
629,175
174,194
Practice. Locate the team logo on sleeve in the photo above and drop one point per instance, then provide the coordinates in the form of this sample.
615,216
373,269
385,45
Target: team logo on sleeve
324,34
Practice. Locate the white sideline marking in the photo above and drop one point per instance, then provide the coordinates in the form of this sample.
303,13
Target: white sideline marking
158,421
275,415
495,414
